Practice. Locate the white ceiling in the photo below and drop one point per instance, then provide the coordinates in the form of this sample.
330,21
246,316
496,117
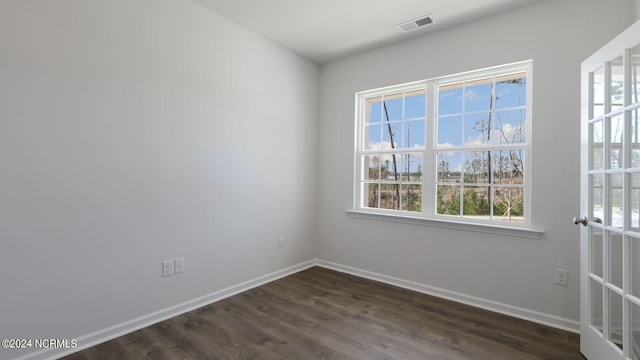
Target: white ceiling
324,30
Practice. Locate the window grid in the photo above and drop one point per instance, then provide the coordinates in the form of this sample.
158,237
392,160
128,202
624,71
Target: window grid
392,161
491,197
509,151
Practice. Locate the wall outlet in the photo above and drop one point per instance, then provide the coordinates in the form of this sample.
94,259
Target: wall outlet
281,242
167,268
178,266
561,277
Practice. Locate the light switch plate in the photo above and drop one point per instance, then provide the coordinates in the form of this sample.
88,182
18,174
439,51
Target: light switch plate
167,268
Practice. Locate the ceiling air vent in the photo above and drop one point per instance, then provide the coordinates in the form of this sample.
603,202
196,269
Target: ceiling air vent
416,23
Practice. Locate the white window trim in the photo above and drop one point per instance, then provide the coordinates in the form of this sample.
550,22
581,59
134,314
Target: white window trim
428,215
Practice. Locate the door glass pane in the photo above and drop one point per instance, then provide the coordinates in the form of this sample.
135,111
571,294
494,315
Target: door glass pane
635,75
616,216
635,138
597,196
597,88
615,259
635,332
616,134
635,201
634,259
615,318
597,150
596,305
597,254
616,86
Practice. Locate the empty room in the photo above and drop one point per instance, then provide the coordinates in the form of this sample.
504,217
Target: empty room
286,179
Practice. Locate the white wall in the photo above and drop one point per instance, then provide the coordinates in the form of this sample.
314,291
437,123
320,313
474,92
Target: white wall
636,10
137,131
514,272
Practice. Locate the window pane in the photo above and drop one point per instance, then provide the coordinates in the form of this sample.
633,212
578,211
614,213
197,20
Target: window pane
448,200
373,110
392,107
390,196
597,150
410,167
414,134
508,127
372,193
597,88
476,129
477,95
450,131
450,99
508,204
476,169
616,132
412,197
390,167
415,104
372,167
373,137
391,135
616,86
507,166
476,201
511,91
449,166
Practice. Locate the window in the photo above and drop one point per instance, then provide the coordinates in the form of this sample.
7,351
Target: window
455,147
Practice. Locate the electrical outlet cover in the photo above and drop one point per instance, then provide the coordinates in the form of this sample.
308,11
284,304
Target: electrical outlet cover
179,266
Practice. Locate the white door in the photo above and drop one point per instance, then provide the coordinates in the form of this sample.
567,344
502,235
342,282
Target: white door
610,205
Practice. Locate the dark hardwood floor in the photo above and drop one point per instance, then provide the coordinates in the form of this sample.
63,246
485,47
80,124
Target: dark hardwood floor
324,314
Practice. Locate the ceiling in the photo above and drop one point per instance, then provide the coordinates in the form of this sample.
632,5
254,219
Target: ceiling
324,30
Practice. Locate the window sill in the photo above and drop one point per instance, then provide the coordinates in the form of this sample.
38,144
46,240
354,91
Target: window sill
450,224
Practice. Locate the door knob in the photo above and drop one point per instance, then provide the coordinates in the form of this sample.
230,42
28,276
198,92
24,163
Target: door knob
583,220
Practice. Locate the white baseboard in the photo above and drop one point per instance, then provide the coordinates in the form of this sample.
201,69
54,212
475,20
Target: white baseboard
521,313
103,335
100,336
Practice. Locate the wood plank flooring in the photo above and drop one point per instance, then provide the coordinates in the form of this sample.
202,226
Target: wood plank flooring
324,314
